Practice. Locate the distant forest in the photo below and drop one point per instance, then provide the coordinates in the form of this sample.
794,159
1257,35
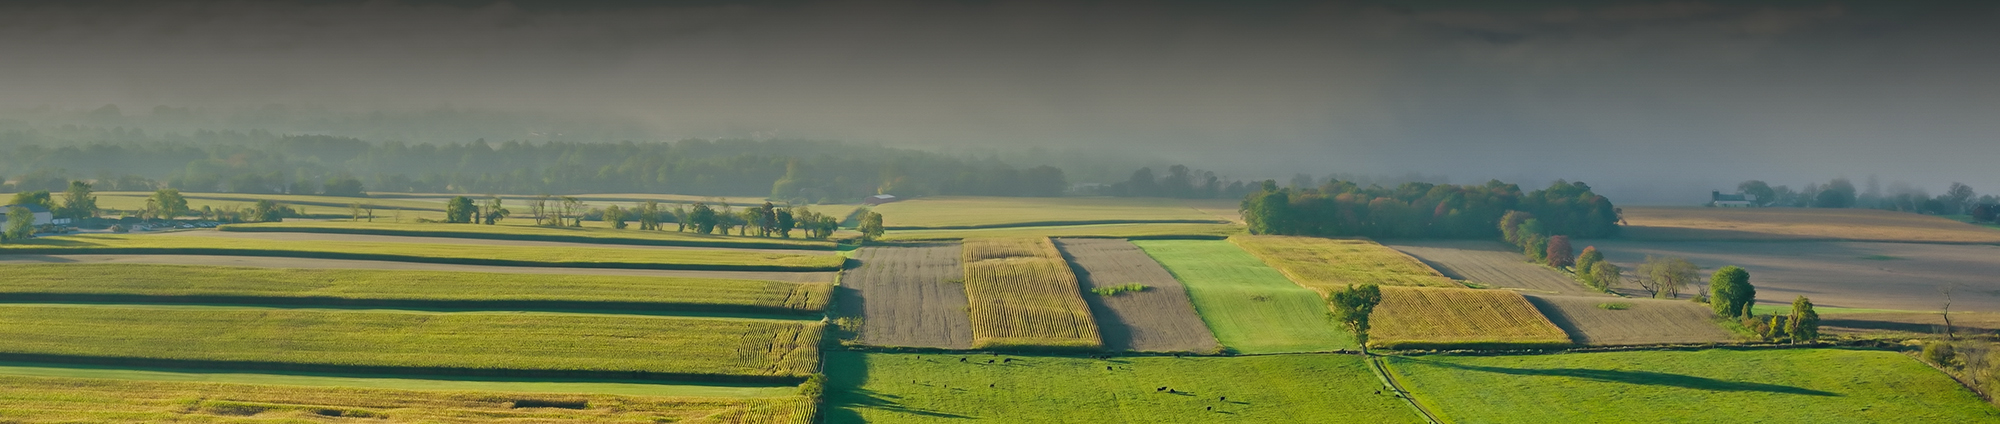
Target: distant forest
1418,210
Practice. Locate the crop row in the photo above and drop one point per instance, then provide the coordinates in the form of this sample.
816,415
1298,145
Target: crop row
1023,294
720,260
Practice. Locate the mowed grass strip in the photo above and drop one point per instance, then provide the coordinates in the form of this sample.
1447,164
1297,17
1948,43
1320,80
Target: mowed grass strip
674,347
466,254
899,388
1325,265
1438,318
949,212
1250,307
532,233
1124,231
1022,294
69,400
1709,386
192,284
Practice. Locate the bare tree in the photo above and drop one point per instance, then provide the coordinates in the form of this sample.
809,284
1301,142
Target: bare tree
1665,276
1946,311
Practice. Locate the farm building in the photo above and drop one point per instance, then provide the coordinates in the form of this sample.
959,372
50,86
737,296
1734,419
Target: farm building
879,199
42,215
1717,199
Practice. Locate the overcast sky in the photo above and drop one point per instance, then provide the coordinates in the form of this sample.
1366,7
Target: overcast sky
1652,101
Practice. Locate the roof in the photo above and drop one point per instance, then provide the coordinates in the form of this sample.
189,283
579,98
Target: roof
883,196
31,208
1717,196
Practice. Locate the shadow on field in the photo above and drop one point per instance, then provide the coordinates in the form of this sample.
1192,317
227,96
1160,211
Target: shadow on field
1638,377
845,373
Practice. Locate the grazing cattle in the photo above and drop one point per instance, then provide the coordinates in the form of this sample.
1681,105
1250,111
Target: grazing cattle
961,359
1211,408
1162,389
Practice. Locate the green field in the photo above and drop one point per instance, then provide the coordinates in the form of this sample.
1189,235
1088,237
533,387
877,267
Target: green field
473,340
948,212
320,206
10,370
468,254
1715,386
193,284
533,233
892,388
1250,307
1129,231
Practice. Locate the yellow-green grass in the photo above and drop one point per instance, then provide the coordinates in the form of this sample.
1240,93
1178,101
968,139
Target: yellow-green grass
1250,307
496,385
378,288
1124,231
70,400
992,212
324,206
533,233
574,345
1023,295
466,254
1325,265
898,388
1440,318
1710,386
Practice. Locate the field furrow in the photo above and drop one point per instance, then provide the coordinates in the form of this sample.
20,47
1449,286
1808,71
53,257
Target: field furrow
908,296
1440,318
1492,263
1023,295
1598,320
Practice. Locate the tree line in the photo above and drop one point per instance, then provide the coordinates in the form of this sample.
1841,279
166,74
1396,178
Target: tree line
1414,210
1957,199
767,220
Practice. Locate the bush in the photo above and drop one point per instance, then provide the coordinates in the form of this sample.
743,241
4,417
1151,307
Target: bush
1940,353
1615,306
1115,290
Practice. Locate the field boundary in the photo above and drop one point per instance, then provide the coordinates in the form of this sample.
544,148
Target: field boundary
213,251
1061,224
1799,240
448,233
1389,378
595,307
401,372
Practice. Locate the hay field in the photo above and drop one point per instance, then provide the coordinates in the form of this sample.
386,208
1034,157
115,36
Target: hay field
314,263
1250,307
1023,295
531,233
437,253
1797,224
1640,322
418,340
68,400
203,284
1494,263
1441,318
953,212
908,296
899,388
1896,276
1325,265
1710,386
1122,231
1159,318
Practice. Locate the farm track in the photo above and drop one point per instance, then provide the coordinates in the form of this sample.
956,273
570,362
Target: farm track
906,296
1389,378
1492,263
284,262
1159,319
371,238
1646,321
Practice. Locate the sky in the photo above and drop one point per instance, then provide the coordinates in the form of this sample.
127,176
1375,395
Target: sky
1654,102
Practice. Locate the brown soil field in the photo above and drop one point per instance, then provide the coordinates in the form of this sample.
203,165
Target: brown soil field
457,240
276,262
1491,263
908,296
1899,276
1911,322
1796,224
1159,319
1645,321
1425,317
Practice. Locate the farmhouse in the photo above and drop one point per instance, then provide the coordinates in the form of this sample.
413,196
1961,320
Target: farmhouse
879,199
1719,200
42,215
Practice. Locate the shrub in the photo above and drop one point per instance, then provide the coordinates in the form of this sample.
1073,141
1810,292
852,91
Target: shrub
1614,306
1940,353
1115,290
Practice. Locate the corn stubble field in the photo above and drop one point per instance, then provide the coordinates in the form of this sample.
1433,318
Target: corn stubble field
1325,265
1024,296
1438,318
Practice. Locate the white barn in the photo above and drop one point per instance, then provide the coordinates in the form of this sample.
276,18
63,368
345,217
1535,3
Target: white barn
1717,199
42,215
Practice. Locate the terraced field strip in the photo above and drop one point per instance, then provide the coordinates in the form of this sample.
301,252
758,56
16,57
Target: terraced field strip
1598,320
1158,318
825,277
899,388
51,399
414,343
710,260
1797,224
1151,231
494,385
1023,295
1439,318
136,200
401,289
1709,386
947,212
1250,307
908,296
1493,263
532,233
1325,265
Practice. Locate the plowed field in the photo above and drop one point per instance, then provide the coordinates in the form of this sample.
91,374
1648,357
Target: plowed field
1157,319
1900,276
1643,321
908,296
1491,263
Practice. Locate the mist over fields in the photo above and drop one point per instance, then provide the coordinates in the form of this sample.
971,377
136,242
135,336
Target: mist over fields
1650,102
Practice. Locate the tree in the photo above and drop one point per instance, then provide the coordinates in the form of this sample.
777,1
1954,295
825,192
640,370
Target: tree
1836,194
1352,307
354,212
1589,258
459,210
703,218
786,222
1730,292
1803,324
1559,252
167,204
871,226
648,214
344,187
616,216
38,198
572,208
20,224
1957,199
1760,193
493,212
78,202
267,211
1665,276
1605,275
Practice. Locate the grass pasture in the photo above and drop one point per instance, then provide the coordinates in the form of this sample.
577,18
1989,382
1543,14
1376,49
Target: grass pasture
348,287
715,260
572,345
1123,231
1250,307
1439,318
532,233
1022,294
952,212
1716,386
1797,224
1325,265
899,388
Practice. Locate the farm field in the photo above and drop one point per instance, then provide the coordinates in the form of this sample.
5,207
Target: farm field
1898,276
1250,307
1325,265
1441,318
1797,224
1495,264
895,388
1778,386
1641,321
25,372
518,234
315,263
909,296
946,212
1159,318
199,284
1121,231
1907,323
50,400
1022,294
414,252
499,342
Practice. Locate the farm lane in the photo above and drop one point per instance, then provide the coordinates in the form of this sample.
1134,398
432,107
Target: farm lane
1159,319
282,262
909,296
